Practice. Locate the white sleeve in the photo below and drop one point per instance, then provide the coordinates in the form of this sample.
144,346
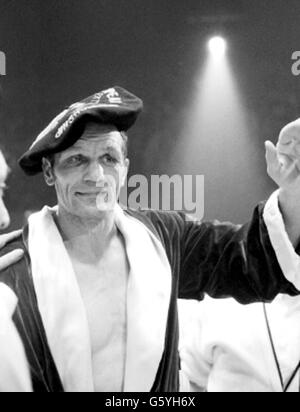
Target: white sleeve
14,371
287,258
194,364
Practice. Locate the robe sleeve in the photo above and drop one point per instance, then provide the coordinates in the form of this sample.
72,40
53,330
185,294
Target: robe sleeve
226,260
287,256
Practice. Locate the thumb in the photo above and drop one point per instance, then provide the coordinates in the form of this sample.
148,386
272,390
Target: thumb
271,157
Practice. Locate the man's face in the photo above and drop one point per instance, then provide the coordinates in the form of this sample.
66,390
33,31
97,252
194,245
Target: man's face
4,171
89,175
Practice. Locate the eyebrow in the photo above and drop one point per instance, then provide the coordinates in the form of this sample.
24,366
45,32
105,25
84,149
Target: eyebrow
75,150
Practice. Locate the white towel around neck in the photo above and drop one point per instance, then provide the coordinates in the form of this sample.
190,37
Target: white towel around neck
63,311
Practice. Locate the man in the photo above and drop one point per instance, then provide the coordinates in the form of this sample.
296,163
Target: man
98,287
14,372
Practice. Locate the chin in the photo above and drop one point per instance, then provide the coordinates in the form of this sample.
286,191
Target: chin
89,215
95,209
105,207
93,212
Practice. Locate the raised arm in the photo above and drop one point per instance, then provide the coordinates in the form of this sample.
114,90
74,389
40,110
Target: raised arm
255,261
224,260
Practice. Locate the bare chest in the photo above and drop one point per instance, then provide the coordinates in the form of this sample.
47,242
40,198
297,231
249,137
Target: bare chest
104,292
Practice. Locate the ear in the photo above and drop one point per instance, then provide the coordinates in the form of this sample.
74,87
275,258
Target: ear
125,171
48,172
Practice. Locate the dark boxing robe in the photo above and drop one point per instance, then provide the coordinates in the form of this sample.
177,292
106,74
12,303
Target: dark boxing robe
221,260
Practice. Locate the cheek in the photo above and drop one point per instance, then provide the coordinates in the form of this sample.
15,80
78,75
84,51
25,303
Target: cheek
115,176
64,185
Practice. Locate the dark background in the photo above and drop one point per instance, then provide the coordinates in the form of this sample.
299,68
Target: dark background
59,51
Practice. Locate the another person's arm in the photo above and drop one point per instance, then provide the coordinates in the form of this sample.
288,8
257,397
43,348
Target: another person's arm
14,370
15,255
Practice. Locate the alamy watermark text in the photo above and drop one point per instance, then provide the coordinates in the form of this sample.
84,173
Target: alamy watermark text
296,64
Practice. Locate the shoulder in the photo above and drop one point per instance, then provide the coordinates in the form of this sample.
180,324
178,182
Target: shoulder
169,227
159,219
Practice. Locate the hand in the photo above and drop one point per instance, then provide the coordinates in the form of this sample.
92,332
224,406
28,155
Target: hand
283,163
289,141
12,257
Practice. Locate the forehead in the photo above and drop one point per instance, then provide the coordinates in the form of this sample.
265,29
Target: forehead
4,169
98,137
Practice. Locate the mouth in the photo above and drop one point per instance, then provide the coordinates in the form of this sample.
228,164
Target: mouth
90,194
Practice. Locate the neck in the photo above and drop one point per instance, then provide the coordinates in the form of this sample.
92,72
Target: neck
86,238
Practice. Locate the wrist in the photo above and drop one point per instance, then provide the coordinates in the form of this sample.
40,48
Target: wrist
288,204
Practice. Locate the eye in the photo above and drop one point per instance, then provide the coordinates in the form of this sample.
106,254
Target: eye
108,159
75,160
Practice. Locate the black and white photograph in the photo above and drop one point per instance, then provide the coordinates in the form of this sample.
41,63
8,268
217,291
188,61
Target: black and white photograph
150,198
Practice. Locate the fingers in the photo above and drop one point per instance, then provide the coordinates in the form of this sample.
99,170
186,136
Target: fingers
283,169
11,258
290,132
290,171
271,152
15,255
6,238
287,161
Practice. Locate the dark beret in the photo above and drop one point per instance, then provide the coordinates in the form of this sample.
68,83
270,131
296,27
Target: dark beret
115,106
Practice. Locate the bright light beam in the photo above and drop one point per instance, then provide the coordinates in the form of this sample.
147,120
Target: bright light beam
216,140
217,47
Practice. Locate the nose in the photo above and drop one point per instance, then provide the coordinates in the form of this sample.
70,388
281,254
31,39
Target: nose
4,216
95,173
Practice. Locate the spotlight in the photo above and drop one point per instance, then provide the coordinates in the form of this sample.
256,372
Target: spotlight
217,46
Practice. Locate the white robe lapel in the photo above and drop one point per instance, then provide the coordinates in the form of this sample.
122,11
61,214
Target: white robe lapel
149,293
63,312
60,303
